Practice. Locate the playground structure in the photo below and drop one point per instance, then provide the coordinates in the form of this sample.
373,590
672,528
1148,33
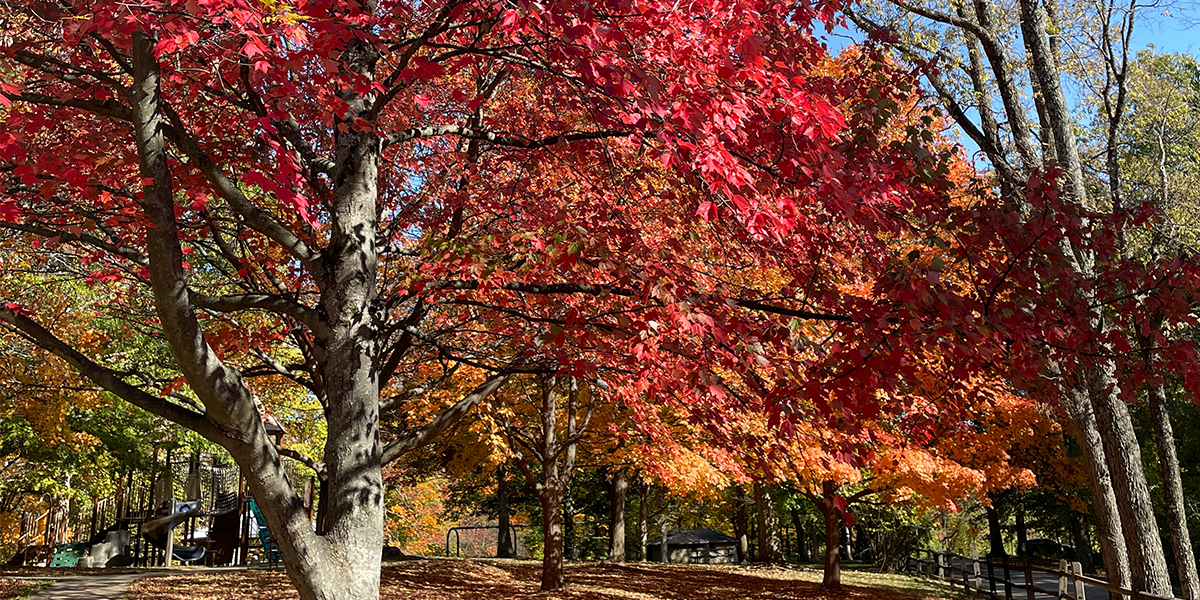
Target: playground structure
192,511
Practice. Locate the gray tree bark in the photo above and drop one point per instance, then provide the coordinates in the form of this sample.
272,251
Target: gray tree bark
1104,500
1147,561
643,526
768,534
556,455
1168,460
344,563
616,516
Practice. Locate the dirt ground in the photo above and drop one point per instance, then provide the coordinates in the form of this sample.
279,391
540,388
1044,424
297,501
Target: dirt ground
446,579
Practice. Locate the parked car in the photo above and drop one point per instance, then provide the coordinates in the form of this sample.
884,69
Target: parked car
1039,548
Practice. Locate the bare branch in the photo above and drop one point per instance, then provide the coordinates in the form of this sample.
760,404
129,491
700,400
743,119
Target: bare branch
269,302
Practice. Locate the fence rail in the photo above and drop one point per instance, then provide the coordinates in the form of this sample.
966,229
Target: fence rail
995,578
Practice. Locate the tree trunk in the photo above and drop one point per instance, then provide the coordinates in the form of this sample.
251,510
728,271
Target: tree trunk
1148,567
616,516
504,541
1081,541
995,532
740,526
1022,530
832,579
801,537
768,537
643,528
551,497
784,538
663,544
343,564
1148,563
847,544
1181,543
1104,500
570,546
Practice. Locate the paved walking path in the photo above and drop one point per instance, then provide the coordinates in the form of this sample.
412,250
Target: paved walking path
1046,584
92,587
106,587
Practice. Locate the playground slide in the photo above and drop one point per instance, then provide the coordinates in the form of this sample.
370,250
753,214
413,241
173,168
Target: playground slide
225,531
156,531
270,550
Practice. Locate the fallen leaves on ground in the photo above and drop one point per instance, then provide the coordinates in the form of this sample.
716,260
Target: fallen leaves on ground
15,588
514,580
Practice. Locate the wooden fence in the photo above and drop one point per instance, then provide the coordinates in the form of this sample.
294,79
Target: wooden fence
1015,579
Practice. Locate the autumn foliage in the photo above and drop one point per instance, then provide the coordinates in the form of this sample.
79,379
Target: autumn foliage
682,205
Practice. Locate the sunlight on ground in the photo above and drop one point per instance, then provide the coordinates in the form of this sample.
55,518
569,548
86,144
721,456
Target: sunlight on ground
444,579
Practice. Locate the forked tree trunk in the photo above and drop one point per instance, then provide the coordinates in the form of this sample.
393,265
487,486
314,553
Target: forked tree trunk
768,536
616,516
557,460
1147,562
1104,500
1168,461
343,564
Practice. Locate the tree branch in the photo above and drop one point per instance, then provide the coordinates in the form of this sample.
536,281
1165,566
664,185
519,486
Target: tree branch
111,380
444,421
498,139
83,238
269,302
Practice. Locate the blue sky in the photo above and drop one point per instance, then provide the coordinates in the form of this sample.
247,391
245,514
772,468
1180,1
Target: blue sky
1175,30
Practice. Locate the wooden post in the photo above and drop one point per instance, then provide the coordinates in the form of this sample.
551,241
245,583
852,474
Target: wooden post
1007,579
1076,573
95,509
170,540
991,577
1028,577
309,489
975,567
1064,571
941,566
243,520
966,581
